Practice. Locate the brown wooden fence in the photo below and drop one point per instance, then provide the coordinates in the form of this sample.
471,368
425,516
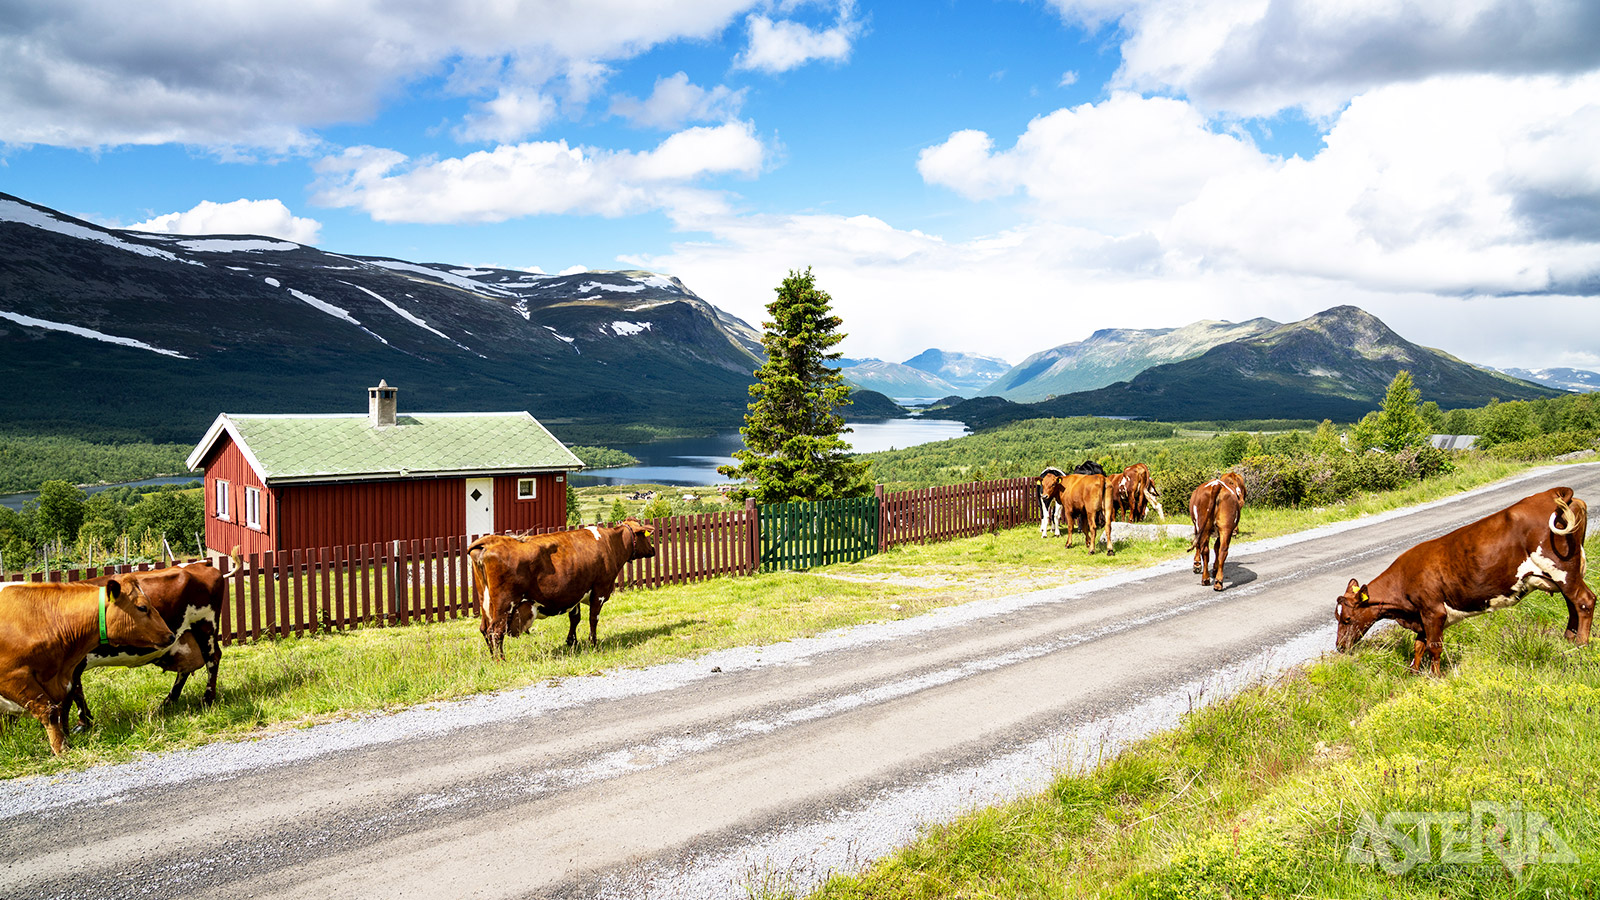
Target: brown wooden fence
954,511
401,582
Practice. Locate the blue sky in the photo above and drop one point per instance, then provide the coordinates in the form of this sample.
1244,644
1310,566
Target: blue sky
994,176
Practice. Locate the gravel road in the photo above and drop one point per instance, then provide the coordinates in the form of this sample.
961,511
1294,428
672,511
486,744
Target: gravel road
764,765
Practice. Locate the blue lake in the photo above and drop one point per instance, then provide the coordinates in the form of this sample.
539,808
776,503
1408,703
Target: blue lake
15,501
694,461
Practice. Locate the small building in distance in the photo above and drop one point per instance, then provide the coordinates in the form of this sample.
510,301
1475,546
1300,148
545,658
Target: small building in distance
298,482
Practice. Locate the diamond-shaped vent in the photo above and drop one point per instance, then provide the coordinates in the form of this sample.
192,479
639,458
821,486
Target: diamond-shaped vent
477,494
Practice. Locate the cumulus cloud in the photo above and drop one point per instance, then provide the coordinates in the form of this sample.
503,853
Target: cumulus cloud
1451,185
1256,57
1127,162
675,102
267,76
780,45
269,218
538,178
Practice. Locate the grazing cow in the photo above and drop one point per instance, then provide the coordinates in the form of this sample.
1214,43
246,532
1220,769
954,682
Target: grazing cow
190,599
1132,492
1086,501
1534,544
1214,509
522,579
47,629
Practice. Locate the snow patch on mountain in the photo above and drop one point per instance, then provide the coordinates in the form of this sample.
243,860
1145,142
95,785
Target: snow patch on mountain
450,278
223,245
11,211
615,288
21,319
627,328
403,313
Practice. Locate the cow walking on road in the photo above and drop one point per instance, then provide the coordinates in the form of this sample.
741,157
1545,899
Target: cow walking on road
46,630
522,579
1214,509
1534,544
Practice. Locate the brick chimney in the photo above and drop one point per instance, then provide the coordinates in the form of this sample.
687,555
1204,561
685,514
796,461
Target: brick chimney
381,404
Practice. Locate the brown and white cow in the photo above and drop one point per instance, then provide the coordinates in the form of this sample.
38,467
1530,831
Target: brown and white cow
46,630
1214,510
520,579
1132,493
189,599
1533,544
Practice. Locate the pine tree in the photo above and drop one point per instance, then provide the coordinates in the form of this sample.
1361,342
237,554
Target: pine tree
1400,423
793,449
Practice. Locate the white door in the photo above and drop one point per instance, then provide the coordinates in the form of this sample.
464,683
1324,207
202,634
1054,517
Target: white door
480,507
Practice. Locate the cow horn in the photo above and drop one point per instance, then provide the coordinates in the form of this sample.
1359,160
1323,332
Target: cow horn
1574,512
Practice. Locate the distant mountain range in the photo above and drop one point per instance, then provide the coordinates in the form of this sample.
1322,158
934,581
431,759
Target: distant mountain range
1336,364
930,374
1114,354
133,335
1580,380
154,334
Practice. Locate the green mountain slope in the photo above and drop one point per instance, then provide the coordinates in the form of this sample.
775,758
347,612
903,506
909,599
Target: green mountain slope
1335,364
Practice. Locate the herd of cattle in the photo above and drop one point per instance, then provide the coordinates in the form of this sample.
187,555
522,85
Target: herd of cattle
51,633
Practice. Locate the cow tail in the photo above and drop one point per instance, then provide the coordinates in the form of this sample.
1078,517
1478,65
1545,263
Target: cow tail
475,555
1575,511
234,562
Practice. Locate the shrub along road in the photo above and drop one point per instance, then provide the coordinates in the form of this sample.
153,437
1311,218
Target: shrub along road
698,779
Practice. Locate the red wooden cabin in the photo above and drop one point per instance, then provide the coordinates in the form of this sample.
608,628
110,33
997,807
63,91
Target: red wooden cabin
288,482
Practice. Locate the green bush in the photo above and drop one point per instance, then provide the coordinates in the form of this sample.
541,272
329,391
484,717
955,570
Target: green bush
1425,462
1546,446
1178,482
1274,480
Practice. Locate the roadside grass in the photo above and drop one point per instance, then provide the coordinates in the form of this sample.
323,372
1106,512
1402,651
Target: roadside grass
289,683
1264,794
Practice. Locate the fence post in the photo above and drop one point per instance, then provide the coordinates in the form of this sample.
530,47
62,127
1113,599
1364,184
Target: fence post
752,522
878,492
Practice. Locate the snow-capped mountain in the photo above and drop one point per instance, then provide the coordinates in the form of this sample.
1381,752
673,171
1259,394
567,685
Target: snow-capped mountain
155,334
1580,380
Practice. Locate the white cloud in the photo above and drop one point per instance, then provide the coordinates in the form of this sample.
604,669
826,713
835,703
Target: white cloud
1256,57
513,114
264,217
1127,162
1452,185
675,102
1068,79
780,45
266,76
539,178
573,270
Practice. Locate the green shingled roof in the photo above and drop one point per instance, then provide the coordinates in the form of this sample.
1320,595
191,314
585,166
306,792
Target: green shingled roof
314,448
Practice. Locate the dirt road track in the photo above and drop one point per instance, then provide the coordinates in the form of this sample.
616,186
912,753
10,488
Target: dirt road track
682,781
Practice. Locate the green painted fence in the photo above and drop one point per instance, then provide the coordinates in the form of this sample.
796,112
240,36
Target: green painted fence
815,533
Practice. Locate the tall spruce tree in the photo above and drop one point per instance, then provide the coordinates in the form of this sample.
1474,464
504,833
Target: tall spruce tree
793,449
1400,423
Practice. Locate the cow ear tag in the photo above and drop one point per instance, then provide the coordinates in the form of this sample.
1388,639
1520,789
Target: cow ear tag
1363,597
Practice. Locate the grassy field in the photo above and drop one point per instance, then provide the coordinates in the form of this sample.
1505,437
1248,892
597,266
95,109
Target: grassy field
296,682
1324,783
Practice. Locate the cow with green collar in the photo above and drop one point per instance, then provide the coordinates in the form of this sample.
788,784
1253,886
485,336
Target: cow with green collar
46,631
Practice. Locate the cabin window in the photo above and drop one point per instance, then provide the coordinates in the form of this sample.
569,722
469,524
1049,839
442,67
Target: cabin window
527,489
252,507
222,500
